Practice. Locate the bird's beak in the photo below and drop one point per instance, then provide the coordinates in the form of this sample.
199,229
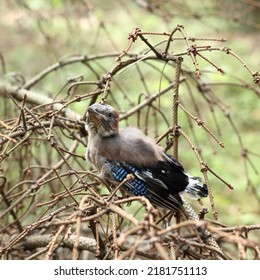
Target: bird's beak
97,118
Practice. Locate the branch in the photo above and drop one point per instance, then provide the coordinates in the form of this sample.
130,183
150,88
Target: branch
85,243
35,98
36,241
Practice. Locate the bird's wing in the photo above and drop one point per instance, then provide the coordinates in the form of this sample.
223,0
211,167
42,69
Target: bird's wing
148,183
171,173
173,161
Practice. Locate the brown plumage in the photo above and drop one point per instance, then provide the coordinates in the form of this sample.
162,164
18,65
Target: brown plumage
132,146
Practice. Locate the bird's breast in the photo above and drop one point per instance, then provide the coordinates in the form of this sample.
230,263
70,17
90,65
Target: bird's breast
93,150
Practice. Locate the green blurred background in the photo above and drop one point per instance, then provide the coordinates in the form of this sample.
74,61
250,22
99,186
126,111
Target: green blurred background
36,34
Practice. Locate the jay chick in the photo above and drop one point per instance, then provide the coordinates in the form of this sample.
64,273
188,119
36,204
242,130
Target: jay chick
118,152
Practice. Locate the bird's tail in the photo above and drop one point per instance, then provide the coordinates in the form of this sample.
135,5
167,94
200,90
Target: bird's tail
196,189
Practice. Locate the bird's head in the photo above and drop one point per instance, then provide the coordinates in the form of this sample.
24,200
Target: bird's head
102,119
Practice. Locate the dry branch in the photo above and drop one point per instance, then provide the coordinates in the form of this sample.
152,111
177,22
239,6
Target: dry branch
57,191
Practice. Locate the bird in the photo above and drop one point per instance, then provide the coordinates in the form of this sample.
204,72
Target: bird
117,152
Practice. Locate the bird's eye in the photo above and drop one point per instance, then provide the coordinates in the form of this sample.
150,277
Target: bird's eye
110,115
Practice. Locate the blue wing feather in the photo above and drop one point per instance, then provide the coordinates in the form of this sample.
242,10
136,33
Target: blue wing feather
145,184
135,186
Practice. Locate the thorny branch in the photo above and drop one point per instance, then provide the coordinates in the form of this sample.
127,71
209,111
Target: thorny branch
54,198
